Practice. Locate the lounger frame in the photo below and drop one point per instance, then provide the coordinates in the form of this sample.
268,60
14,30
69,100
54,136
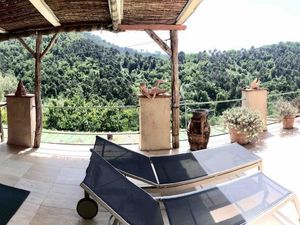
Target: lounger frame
209,179
118,220
290,198
182,185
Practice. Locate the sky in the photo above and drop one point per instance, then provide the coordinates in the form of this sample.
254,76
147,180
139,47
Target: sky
225,25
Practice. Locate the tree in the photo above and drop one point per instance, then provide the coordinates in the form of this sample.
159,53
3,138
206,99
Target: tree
8,84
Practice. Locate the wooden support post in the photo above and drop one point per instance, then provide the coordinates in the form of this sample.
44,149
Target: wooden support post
50,45
160,42
27,47
297,205
38,55
175,88
38,98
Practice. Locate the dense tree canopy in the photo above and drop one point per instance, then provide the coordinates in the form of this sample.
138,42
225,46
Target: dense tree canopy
83,70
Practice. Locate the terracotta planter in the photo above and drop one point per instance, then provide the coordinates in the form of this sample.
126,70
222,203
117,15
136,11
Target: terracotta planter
198,130
288,122
238,137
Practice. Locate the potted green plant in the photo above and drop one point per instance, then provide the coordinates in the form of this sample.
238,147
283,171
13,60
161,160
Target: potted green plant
243,124
287,112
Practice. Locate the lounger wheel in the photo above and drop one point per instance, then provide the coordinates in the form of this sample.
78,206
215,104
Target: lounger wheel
87,208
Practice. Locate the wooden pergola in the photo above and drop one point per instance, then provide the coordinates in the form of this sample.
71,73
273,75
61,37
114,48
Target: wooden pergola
22,18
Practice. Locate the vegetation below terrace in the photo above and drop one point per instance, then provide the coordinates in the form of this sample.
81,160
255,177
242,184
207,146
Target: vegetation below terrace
83,71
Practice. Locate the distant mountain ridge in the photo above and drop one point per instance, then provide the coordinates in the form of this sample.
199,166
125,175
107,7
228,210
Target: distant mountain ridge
84,65
98,40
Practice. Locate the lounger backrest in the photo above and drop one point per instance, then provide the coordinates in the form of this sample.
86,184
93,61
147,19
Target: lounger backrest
189,166
125,160
177,168
130,202
225,158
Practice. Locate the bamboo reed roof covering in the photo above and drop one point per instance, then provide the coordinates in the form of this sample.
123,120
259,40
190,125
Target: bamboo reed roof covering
20,18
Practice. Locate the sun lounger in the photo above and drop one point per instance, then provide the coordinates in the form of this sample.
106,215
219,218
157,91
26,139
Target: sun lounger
181,169
237,202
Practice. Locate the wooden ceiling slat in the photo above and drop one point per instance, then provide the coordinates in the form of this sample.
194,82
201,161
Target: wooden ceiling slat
152,11
188,10
19,15
116,12
80,11
45,10
46,31
124,27
20,18
2,30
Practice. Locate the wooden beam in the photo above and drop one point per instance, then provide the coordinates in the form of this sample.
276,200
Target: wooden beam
38,98
2,31
86,27
52,30
123,27
50,45
46,11
160,42
188,10
116,12
27,47
175,89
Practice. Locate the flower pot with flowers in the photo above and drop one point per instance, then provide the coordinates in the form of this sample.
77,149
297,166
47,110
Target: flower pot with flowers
287,112
243,124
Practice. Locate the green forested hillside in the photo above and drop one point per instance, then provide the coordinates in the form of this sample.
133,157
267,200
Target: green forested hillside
78,66
221,75
83,70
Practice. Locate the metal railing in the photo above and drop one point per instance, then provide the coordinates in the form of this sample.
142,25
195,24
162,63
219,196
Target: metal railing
188,106
216,109
93,107
273,115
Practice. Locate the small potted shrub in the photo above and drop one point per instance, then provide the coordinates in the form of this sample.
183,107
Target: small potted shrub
287,112
243,124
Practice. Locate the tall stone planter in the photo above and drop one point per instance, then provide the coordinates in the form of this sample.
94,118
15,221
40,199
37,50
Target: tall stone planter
256,100
154,123
20,120
198,130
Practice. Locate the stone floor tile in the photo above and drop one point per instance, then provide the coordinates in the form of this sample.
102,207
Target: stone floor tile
101,219
63,196
55,216
42,173
25,214
7,179
38,189
14,167
71,176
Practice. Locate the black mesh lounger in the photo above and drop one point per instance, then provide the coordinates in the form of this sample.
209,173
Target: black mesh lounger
240,201
182,169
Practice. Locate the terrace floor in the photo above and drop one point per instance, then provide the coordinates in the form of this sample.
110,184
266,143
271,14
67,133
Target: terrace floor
53,173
